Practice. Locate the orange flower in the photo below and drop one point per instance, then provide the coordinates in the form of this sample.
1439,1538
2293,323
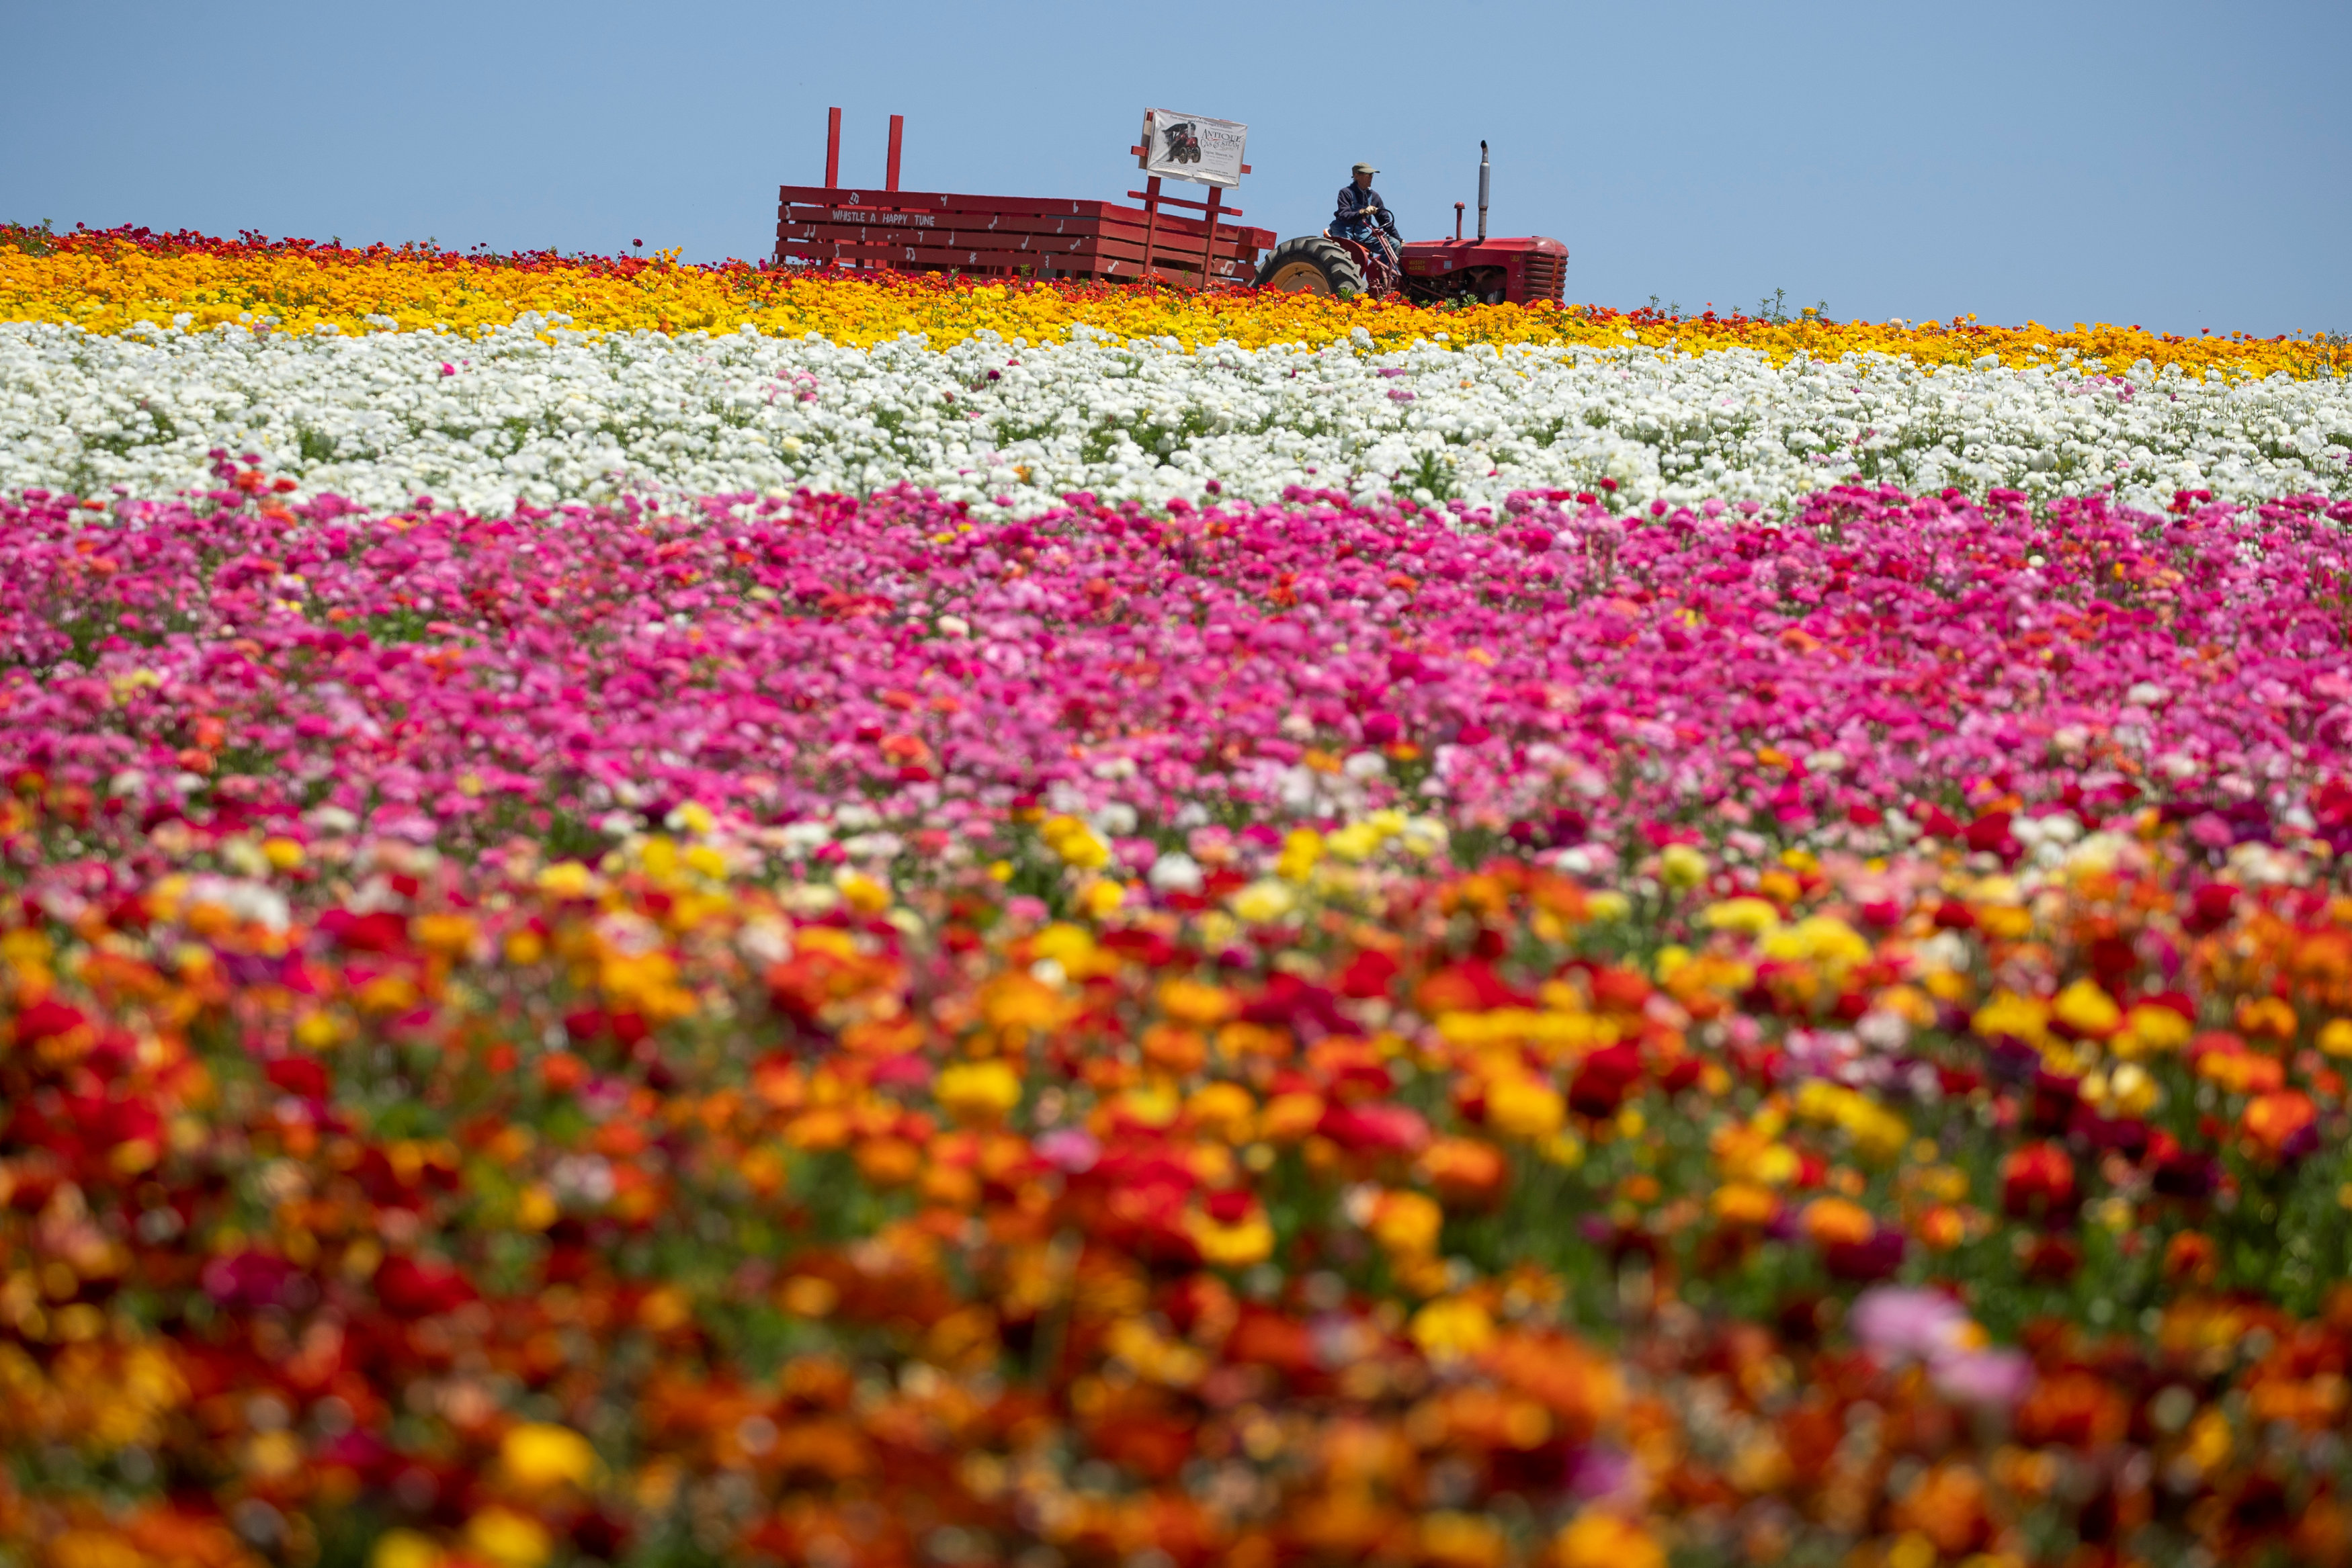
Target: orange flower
1601,1540
1942,1228
1747,1204
1465,1172
2281,1123
2189,1255
2224,1059
1838,1222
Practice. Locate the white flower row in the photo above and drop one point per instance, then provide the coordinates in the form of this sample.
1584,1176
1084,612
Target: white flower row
547,414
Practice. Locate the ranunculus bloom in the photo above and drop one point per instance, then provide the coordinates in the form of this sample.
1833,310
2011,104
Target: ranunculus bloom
2037,1181
1908,1322
2282,1124
1997,1377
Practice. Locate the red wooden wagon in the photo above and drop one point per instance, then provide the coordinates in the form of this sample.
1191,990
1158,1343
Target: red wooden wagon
1003,236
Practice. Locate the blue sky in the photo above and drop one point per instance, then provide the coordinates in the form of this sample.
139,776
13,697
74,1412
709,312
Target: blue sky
2176,165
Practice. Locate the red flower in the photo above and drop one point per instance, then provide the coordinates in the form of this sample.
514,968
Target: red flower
1375,1128
1607,1077
46,1019
412,1289
2037,1180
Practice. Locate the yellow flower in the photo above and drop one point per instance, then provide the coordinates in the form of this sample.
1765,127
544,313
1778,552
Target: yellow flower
1878,1132
282,853
448,935
1223,1109
1819,939
386,994
1453,1329
1241,1245
1149,1105
2027,1018
658,856
1103,899
1074,950
2131,1090
1526,1108
1261,902
510,1540
2149,1028
536,1209
1607,907
1682,866
404,1549
1755,916
980,1092
317,1031
1407,1223
1076,843
865,895
567,879
2084,1008
1463,1541
1302,851
1356,842
539,1455
104,290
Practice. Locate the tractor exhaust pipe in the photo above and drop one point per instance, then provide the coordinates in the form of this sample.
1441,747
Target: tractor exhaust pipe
1483,171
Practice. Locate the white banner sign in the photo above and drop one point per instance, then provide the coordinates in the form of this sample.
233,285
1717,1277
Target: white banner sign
1192,147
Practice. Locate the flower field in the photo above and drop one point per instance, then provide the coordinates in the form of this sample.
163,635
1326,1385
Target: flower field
382,376
1043,927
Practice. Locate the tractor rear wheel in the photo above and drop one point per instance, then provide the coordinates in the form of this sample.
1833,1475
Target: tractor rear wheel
1311,264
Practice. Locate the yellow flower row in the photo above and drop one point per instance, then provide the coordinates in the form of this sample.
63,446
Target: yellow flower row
107,287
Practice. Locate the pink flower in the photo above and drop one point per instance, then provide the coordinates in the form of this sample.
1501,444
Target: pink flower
1903,1322
1070,1150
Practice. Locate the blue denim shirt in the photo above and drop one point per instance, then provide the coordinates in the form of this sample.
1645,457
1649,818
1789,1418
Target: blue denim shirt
1361,208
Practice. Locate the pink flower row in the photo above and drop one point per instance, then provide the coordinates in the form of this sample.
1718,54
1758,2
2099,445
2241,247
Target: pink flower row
1548,674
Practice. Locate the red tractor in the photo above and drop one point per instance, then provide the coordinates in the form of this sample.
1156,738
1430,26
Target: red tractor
1515,271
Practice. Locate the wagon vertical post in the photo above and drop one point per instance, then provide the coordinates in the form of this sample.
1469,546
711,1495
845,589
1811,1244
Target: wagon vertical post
833,148
1150,196
891,170
1151,220
1209,246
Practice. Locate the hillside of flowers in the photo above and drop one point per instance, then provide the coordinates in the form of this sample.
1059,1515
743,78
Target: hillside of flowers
1052,928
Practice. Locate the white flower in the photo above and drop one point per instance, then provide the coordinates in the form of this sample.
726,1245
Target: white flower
1175,871
549,415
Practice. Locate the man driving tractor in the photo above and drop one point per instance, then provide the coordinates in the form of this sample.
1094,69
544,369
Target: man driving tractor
1364,219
